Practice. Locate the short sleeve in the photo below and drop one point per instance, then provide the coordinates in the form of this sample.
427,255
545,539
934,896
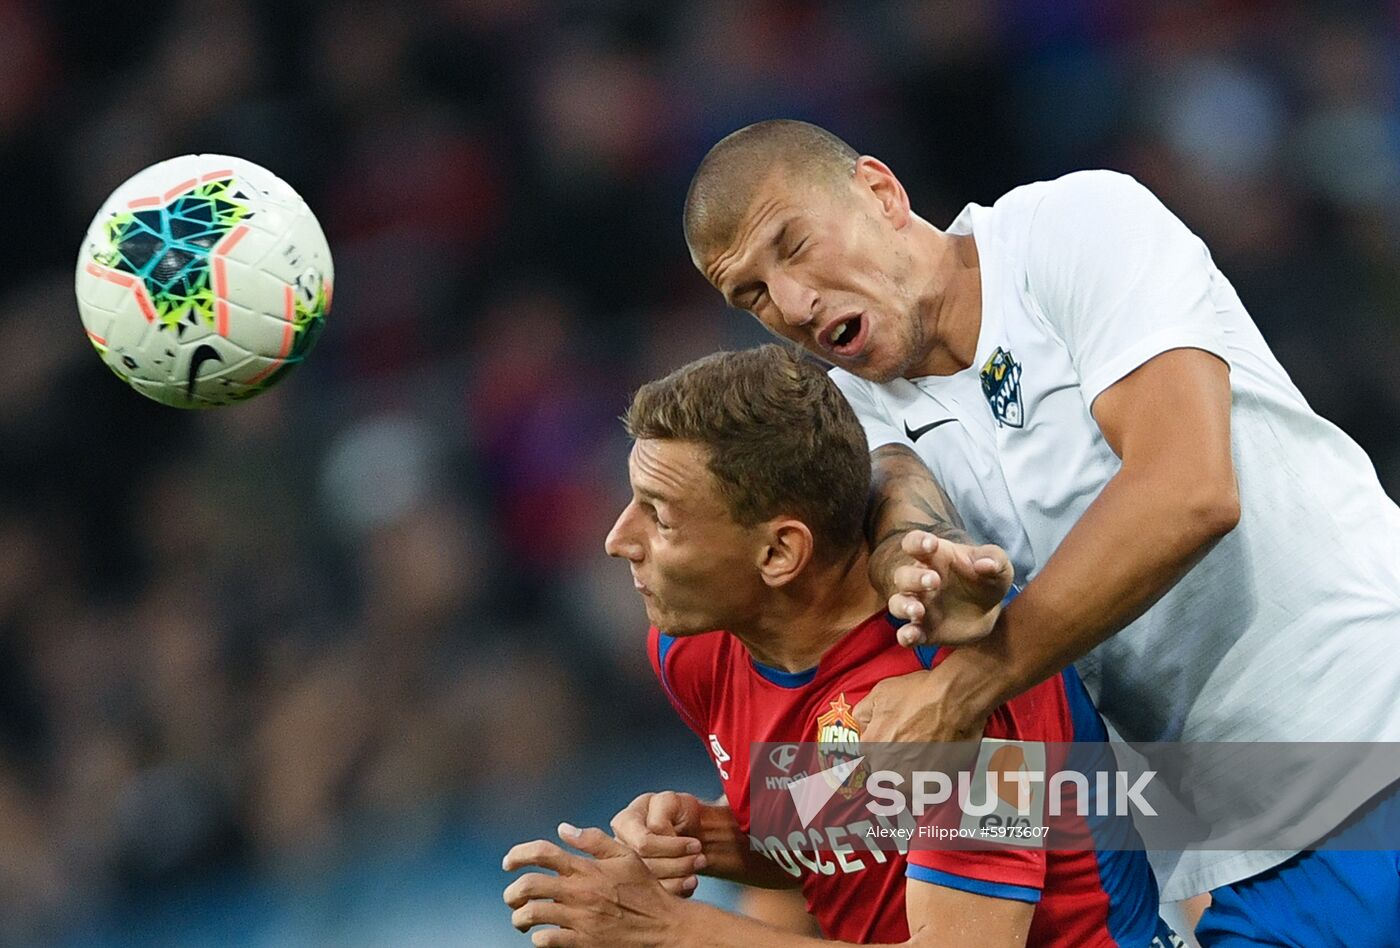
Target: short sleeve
1017,874
1039,715
1119,277
678,681
879,430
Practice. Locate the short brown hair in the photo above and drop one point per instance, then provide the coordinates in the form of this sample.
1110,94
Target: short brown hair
730,174
781,439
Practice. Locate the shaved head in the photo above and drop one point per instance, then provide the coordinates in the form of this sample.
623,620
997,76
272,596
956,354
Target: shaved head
731,174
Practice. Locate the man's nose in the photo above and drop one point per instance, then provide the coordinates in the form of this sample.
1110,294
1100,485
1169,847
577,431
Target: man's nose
796,301
618,542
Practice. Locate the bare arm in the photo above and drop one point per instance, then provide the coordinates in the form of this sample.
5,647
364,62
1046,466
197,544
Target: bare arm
1173,499
940,916
705,926
729,855
959,586
903,497
783,909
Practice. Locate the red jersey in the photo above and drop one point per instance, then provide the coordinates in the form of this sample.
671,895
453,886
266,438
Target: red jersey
855,888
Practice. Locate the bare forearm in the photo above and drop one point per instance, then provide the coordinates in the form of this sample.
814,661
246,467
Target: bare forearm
730,856
1136,540
904,496
704,926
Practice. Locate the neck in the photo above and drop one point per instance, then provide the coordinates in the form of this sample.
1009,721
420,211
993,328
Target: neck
803,620
950,313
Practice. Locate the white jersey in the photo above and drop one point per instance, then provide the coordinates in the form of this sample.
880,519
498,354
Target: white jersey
1289,630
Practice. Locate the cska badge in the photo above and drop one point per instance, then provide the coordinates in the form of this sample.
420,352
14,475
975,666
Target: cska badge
838,741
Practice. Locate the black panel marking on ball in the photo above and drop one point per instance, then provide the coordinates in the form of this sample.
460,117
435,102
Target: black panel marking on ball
205,353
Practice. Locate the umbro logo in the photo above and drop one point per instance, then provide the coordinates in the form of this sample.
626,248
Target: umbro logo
914,434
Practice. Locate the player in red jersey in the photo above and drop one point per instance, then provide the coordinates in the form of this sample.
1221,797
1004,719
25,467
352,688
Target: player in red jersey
750,474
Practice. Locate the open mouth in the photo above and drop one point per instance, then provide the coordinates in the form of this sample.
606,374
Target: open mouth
847,336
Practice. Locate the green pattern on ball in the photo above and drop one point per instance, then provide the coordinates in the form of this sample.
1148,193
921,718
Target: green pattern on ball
168,248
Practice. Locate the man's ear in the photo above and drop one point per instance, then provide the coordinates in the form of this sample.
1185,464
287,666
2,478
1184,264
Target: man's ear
786,552
875,178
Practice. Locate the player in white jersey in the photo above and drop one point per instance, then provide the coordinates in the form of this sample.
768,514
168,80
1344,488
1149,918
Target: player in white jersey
1083,382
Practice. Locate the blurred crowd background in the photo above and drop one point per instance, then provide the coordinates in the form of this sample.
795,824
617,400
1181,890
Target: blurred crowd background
298,671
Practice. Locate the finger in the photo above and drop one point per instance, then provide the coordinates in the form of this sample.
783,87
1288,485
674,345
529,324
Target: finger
593,841
680,810
982,563
543,913
871,735
555,938
630,827
534,885
914,579
636,809
662,812
684,888
630,824
906,607
864,708
667,847
911,635
676,868
919,543
544,854
991,557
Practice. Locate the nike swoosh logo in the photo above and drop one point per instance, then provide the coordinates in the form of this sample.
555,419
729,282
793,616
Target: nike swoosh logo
914,434
203,354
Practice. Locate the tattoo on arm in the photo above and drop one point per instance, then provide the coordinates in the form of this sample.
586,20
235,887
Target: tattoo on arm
904,496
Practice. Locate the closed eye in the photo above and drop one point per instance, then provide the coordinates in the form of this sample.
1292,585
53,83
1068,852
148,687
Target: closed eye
653,515
750,297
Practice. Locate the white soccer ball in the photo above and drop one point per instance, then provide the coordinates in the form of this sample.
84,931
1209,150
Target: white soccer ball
203,280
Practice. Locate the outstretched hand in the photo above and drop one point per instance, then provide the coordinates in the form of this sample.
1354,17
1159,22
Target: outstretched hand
608,901
950,593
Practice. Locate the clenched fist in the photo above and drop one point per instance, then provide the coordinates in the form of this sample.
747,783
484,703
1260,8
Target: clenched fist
663,828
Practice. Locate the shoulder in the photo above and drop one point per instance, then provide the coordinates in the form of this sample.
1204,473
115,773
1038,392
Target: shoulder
691,668
1074,189
1050,223
1089,187
1093,227
1068,198
684,657
1083,201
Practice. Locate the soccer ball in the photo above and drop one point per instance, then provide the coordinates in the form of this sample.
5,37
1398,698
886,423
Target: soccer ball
203,280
